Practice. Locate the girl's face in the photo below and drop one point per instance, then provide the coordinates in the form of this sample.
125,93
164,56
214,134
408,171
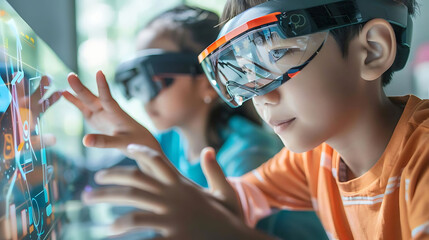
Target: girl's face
179,102
318,103
175,105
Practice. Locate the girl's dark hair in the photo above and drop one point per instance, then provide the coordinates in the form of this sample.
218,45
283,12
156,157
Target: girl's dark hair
192,28
342,36
195,29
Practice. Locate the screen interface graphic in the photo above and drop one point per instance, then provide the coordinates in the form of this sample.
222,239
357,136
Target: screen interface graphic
34,143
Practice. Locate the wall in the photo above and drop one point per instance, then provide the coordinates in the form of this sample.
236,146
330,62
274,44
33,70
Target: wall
55,22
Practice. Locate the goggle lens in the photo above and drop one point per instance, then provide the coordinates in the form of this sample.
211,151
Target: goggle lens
259,61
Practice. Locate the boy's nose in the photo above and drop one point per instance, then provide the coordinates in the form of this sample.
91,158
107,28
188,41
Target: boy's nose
271,98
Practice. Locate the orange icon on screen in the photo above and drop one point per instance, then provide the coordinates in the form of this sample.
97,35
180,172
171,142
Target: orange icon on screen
8,150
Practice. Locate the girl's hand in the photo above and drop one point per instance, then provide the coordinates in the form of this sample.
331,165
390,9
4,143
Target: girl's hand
172,205
104,114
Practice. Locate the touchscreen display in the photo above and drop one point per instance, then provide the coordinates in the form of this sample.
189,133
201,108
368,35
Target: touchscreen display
39,133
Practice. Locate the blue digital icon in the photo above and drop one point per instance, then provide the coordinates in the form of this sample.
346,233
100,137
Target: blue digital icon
5,96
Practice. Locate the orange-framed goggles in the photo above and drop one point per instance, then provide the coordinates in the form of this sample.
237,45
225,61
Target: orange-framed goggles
266,45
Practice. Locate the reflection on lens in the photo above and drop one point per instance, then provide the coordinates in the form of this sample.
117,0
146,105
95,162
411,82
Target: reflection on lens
259,61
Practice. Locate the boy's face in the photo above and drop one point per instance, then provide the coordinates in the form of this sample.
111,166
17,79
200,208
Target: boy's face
318,103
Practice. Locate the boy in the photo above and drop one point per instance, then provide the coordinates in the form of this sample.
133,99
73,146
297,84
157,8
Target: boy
356,157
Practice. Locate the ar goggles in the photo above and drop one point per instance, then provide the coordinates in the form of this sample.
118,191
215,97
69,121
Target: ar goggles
265,46
144,76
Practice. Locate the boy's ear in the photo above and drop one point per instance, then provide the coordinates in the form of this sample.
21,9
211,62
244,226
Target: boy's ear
378,42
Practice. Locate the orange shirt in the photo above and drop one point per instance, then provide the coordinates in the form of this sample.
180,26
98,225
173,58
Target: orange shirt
390,201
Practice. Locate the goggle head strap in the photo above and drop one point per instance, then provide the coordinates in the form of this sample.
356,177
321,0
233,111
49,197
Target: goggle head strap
136,75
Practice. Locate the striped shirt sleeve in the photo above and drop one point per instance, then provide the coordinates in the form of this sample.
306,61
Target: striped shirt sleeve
417,198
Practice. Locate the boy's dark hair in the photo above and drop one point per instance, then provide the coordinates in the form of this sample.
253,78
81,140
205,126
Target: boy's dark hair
343,36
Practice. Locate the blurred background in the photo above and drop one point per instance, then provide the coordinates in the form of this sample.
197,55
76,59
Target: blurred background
89,35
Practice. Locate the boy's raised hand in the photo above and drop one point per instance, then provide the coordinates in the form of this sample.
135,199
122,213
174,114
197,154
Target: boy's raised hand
104,114
171,204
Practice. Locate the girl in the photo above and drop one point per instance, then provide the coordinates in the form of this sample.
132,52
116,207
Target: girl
183,105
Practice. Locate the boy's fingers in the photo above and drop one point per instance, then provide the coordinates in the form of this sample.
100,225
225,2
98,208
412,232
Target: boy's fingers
104,94
217,181
83,93
125,196
139,221
162,169
104,141
128,176
75,101
213,172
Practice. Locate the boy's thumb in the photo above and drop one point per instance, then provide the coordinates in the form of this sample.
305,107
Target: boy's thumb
213,172
218,183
